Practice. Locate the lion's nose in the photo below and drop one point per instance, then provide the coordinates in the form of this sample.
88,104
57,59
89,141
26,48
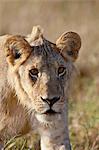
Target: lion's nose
51,101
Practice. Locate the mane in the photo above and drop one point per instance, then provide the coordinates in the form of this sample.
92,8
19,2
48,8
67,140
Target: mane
36,36
37,32
39,43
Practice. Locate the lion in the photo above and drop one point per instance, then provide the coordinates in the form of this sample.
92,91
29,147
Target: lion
35,79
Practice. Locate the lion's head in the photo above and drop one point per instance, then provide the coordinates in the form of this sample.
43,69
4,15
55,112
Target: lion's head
40,71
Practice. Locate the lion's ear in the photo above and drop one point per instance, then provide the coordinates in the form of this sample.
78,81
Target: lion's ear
17,49
69,44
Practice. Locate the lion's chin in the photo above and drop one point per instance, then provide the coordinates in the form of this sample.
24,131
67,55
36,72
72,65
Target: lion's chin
47,119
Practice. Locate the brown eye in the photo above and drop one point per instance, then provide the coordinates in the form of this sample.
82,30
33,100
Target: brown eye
61,71
33,73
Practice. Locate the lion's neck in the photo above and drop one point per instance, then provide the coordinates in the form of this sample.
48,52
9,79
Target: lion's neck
55,135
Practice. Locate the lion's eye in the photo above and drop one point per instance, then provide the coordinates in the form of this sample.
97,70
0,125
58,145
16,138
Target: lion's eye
61,71
33,73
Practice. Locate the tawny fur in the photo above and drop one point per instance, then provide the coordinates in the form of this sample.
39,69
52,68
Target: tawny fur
21,106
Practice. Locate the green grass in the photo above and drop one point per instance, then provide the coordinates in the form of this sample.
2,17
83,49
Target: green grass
84,118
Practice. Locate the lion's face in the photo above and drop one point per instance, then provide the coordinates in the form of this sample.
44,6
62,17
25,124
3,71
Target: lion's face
44,78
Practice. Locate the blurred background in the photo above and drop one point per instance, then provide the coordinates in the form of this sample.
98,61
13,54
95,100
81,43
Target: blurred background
56,17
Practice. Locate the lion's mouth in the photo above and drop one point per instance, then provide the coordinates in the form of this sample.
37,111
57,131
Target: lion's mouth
50,112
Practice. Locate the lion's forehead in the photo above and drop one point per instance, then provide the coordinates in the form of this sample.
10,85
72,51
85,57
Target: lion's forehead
46,55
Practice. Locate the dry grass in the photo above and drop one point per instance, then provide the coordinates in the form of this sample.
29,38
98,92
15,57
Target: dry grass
56,17
84,116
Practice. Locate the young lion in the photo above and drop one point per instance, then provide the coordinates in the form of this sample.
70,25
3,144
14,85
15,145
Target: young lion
35,76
